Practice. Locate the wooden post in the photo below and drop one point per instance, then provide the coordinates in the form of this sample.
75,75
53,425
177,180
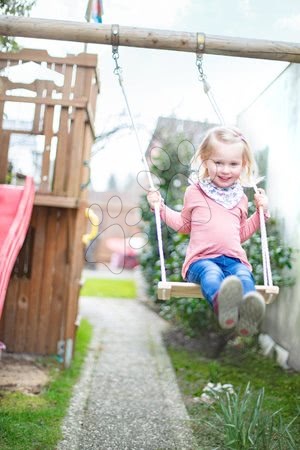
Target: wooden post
149,38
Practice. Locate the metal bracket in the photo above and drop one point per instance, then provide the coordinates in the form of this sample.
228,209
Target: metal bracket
200,43
115,36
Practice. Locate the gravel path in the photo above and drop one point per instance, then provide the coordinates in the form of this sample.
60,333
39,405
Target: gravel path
127,397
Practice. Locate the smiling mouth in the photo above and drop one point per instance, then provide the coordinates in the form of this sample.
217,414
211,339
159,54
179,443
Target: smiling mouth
224,179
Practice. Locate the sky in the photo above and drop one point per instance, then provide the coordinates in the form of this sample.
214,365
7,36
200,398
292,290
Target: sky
165,83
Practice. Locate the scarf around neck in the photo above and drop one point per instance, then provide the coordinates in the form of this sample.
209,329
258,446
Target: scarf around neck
228,197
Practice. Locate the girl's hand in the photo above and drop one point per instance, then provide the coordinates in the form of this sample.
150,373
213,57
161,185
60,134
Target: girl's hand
261,200
154,197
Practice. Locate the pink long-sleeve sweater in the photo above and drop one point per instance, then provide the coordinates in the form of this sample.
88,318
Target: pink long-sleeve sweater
214,230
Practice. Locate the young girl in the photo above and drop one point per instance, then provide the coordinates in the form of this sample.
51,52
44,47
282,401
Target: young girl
215,213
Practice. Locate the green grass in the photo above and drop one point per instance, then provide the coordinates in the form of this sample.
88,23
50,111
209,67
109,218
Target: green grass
110,288
237,367
33,422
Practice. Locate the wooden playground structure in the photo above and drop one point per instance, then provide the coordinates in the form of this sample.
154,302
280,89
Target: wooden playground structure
41,302
40,309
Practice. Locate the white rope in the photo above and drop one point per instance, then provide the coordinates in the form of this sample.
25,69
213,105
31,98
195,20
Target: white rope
267,272
118,72
160,243
208,91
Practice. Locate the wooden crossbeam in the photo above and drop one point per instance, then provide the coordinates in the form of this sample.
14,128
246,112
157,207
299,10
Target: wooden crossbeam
149,38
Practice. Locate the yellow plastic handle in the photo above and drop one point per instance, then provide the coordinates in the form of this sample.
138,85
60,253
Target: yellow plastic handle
88,237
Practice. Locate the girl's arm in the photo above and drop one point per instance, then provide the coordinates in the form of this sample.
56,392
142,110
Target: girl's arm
251,224
178,221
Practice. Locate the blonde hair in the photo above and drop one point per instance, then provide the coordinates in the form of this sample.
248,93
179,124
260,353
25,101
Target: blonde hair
227,135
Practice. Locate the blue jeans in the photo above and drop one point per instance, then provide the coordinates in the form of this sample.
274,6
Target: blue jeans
210,273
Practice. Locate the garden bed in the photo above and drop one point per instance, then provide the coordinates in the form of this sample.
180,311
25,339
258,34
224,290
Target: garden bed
239,363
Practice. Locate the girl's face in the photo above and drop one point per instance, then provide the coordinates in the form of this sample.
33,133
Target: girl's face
225,163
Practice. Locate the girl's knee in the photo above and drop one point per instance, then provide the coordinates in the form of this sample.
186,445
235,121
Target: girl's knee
244,272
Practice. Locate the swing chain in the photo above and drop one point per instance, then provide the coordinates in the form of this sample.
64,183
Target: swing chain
202,76
200,46
199,64
115,50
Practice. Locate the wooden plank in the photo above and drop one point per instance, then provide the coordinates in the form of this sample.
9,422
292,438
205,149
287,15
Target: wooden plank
77,136
149,38
12,63
167,290
91,120
89,78
21,317
44,327
89,129
39,224
4,146
45,185
19,131
60,283
76,162
76,142
68,76
26,54
37,122
55,201
33,86
85,171
76,103
61,169
77,224
58,67
88,75
2,92
80,84
98,78
95,90
61,165
178,289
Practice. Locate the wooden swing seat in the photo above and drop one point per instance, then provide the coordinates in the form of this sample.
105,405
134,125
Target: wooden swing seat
168,289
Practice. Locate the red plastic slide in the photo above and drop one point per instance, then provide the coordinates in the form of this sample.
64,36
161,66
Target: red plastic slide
16,204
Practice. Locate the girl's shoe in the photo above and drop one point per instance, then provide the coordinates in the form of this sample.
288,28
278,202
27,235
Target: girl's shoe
229,298
252,311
